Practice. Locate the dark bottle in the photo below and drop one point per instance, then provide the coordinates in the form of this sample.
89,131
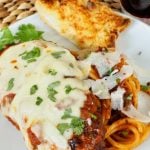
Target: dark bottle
138,8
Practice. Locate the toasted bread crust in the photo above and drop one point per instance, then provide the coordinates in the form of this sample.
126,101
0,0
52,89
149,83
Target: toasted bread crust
88,24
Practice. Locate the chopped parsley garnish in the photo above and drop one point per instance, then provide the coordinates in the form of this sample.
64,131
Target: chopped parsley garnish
67,114
62,127
68,89
129,97
6,38
118,80
30,56
31,60
33,89
93,116
28,32
39,100
145,88
52,72
10,84
54,84
110,71
77,125
51,94
71,65
58,54
51,91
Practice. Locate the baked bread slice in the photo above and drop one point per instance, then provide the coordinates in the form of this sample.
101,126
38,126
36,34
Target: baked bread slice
89,24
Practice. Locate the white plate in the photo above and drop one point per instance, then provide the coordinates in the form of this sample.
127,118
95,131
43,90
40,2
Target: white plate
134,40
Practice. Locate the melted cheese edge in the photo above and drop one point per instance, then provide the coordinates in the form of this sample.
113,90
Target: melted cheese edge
44,118
47,115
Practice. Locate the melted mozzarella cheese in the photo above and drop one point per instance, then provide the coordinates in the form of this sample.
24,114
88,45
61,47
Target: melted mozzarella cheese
48,114
44,118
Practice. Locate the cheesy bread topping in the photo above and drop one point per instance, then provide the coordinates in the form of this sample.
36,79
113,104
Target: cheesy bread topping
89,24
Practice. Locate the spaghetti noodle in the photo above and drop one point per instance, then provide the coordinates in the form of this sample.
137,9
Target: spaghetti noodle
124,133
136,132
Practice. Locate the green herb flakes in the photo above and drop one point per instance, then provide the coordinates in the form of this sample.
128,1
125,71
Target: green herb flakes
54,84
31,60
110,71
39,100
52,72
125,133
93,116
68,89
71,65
67,114
33,89
30,56
62,127
77,124
10,84
58,54
118,80
51,94
145,88
129,97
51,91
6,38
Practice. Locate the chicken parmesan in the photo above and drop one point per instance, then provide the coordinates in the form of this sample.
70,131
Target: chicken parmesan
60,102
44,96
90,24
